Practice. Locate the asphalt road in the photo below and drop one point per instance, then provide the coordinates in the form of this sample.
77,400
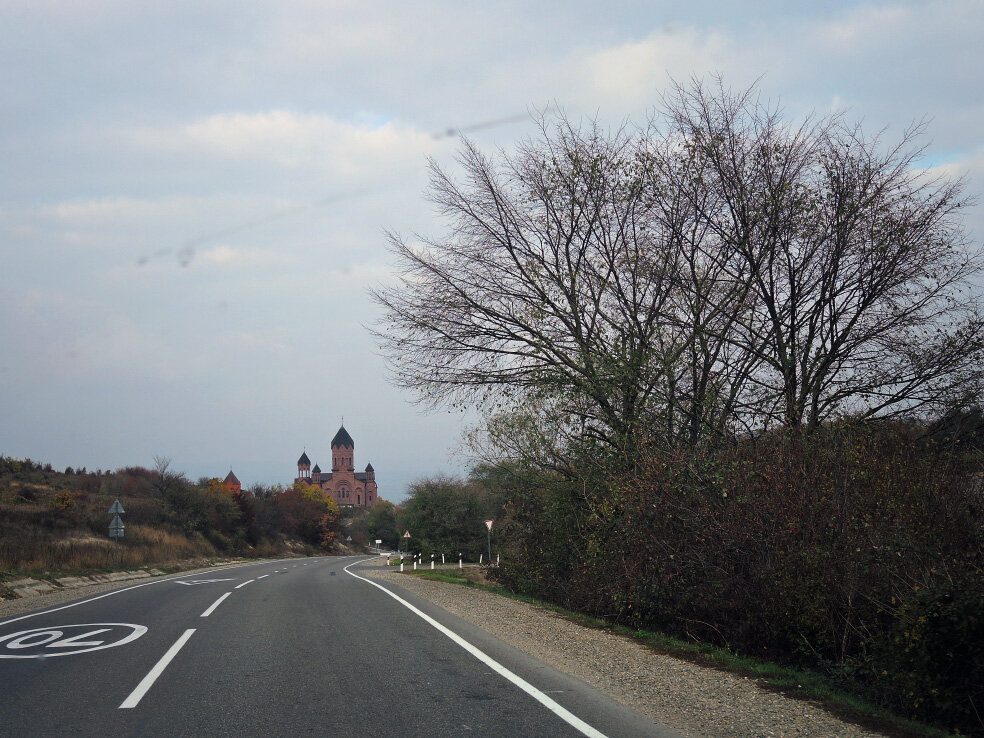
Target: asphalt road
290,648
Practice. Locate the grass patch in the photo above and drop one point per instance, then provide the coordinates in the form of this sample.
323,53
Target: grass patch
452,576
796,683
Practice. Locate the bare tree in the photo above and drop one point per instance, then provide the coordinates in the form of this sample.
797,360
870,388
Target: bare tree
717,271
860,274
550,285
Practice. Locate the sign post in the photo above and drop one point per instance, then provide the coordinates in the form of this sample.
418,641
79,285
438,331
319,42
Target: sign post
116,528
488,524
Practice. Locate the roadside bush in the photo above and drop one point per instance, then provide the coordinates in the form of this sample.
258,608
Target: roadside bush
932,657
853,550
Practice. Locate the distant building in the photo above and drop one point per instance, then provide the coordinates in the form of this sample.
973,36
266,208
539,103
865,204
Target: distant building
343,483
231,483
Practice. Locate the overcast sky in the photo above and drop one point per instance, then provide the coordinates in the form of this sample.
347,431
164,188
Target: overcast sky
194,194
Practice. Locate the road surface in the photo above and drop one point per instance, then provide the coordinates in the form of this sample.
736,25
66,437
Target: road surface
292,648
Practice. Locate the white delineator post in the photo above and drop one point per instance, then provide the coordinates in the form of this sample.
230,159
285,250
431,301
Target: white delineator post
488,524
432,561
460,565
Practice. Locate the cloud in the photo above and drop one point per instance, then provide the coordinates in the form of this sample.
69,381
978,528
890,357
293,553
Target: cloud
229,257
635,71
291,140
859,27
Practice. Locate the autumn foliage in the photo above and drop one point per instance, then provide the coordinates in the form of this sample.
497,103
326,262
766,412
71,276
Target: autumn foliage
57,521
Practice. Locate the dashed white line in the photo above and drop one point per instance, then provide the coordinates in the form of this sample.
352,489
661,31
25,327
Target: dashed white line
148,681
264,576
119,591
215,604
244,583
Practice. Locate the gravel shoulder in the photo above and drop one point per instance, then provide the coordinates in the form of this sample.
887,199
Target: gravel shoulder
693,699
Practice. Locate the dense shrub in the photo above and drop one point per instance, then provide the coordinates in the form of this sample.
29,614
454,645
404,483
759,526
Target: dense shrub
855,550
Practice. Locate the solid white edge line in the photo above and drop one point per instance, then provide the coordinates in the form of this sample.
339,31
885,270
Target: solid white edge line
148,681
126,589
561,712
248,581
215,604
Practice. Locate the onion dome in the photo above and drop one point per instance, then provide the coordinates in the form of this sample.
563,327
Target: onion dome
342,438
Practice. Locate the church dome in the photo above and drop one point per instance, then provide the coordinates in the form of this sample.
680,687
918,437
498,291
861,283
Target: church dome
316,469
304,460
342,438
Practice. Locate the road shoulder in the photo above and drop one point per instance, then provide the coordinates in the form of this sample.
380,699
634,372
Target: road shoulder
693,699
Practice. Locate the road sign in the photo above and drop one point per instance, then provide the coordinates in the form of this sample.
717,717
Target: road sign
116,509
406,534
116,527
488,524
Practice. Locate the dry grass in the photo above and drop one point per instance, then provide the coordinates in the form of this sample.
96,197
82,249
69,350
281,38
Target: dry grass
80,551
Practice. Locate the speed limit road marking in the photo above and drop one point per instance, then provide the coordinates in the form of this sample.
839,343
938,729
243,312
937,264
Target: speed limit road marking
67,640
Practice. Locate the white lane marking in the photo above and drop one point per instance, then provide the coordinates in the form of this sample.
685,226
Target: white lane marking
244,583
568,717
193,582
264,576
215,604
148,681
121,591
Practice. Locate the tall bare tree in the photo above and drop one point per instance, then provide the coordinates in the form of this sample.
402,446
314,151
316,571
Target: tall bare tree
550,285
716,271
863,301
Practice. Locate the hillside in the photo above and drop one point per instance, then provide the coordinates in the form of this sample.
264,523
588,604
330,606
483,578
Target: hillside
56,522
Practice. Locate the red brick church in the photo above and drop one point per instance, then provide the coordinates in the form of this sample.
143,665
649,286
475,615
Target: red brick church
343,483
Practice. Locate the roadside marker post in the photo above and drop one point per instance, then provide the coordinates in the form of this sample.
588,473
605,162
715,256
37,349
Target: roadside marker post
116,528
460,565
432,561
488,524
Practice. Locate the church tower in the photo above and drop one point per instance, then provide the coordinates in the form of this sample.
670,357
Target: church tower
303,466
342,451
